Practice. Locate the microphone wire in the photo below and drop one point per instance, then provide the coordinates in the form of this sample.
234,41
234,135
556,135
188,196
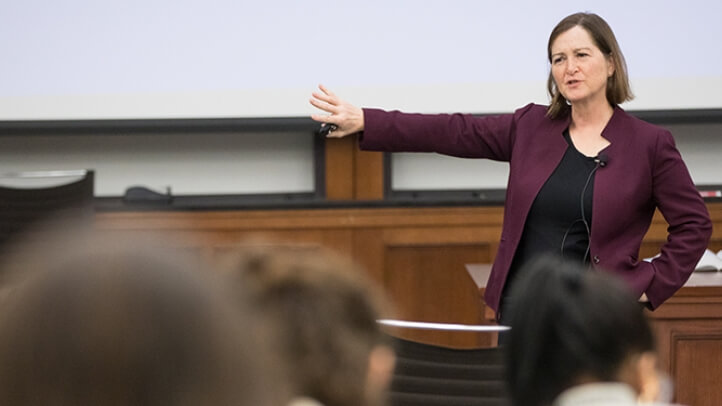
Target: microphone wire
599,162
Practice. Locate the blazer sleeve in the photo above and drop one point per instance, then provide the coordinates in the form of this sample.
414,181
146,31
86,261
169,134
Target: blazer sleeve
460,135
689,225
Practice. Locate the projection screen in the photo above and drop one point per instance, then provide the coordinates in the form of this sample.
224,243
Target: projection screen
162,59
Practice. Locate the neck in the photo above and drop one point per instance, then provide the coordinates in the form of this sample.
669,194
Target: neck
591,115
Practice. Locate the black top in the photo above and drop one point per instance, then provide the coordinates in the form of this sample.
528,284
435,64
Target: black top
555,224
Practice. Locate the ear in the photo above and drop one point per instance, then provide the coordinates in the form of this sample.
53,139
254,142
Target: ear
610,65
382,361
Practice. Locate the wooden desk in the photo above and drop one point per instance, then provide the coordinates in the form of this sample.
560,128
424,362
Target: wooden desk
688,329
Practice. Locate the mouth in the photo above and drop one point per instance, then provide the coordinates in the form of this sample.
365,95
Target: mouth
573,82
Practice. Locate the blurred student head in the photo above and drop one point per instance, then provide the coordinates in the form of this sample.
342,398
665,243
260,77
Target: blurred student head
323,312
571,326
105,321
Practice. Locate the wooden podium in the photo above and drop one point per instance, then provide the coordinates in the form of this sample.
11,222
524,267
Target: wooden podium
688,329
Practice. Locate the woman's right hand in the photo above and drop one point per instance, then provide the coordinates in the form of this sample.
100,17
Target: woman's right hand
347,118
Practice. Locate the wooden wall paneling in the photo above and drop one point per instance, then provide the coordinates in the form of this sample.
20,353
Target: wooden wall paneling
339,168
218,234
372,226
433,286
230,243
691,307
386,241
688,329
368,176
368,251
225,220
668,331
696,369
422,270
418,255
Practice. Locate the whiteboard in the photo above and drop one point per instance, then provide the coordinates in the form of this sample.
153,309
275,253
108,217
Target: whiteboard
188,163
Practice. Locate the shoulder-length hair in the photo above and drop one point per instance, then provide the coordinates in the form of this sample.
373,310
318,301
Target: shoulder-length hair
618,89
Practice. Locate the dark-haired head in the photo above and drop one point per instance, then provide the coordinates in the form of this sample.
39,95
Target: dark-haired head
618,88
570,325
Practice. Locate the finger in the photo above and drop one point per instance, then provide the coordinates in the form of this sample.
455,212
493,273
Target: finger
321,118
324,106
339,133
326,90
336,134
324,97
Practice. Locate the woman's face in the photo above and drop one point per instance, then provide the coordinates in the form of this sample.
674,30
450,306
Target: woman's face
580,70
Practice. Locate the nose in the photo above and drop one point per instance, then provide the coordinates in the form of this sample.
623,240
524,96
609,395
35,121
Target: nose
571,67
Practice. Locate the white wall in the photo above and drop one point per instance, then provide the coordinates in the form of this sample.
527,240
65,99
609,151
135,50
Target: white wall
87,59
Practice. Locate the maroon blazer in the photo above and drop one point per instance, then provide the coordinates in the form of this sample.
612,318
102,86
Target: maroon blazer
644,171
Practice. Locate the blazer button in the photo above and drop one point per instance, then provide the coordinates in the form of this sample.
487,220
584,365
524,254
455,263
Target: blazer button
596,259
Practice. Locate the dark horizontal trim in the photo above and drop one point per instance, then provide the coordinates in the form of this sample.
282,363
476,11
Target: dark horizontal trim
691,116
490,197
475,196
43,127
210,202
278,201
309,200
670,116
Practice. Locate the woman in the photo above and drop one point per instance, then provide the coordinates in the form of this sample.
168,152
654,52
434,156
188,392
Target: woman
585,176
592,344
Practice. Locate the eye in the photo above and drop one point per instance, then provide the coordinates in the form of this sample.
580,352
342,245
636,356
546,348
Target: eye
557,60
582,54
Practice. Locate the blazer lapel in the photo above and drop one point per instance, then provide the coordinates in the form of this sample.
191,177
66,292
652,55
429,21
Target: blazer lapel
537,162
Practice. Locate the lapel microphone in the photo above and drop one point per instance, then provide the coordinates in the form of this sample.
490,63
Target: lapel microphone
601,160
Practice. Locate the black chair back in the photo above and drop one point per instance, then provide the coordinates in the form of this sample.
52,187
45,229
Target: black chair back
431,375
23,206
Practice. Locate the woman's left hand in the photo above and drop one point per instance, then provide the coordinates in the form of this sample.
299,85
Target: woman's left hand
347,118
